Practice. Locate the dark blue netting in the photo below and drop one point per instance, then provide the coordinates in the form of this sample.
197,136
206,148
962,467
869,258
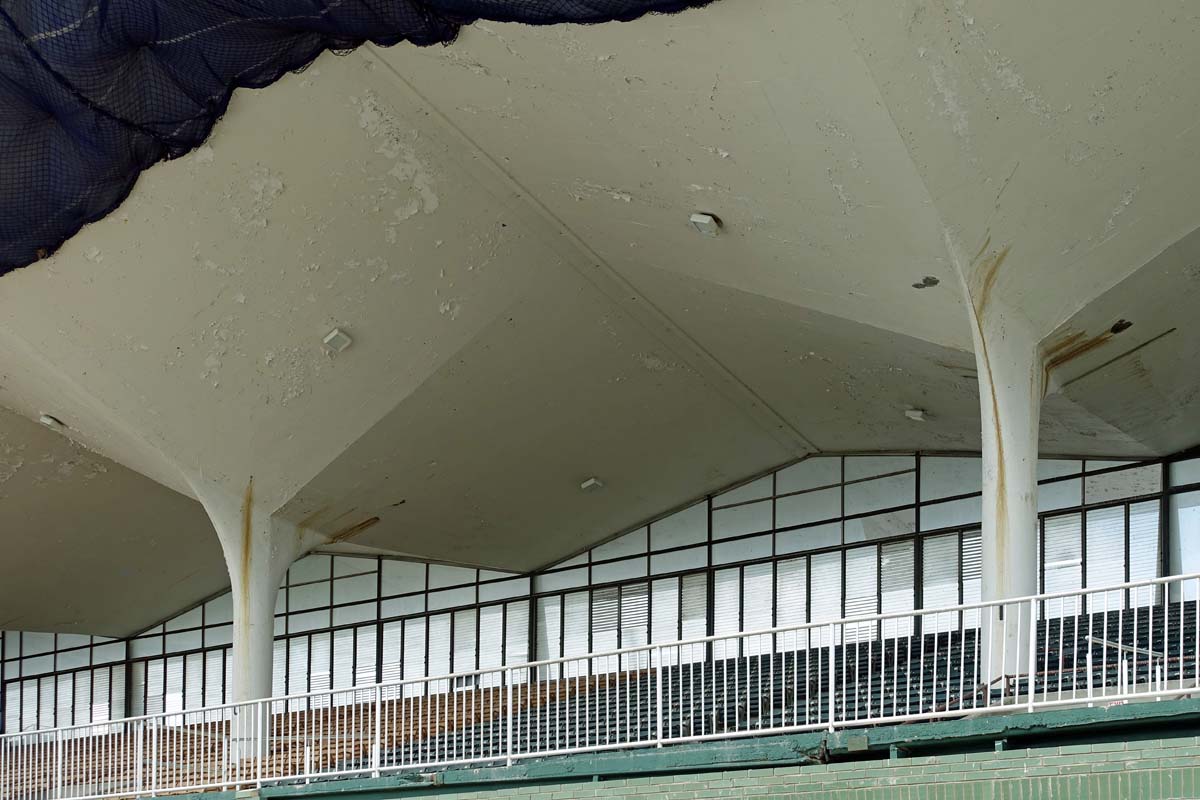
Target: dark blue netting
92,92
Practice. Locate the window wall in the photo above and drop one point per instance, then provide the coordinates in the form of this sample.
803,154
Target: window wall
821,539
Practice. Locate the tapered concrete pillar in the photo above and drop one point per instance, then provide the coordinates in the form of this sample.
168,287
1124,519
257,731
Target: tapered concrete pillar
1011,387
258,547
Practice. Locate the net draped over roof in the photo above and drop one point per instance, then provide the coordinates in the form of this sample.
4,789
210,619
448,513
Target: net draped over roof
92,92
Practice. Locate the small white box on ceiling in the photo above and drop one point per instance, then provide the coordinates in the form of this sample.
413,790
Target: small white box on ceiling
706,224
336,340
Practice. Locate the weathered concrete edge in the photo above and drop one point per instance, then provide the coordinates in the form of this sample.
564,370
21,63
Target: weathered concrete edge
1174,717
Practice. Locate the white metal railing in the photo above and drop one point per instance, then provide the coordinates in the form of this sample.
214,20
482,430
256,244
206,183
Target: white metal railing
1116,644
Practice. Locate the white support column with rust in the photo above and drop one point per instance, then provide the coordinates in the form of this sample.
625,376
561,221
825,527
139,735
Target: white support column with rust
1011,387
258,547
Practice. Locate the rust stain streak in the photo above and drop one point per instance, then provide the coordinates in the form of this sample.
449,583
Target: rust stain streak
247,535
353,530
1067,341
991,269
308,521
1062,355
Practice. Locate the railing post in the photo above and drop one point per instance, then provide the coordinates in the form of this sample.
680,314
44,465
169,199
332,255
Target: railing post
659,701
154,727
377,748
832,676
58,763
1033,607
508,678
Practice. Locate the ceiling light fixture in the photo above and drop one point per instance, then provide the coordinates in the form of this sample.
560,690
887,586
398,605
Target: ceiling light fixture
707,224
915,414
336,341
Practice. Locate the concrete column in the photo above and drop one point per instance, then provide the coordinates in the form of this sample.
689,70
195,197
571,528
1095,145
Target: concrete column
258,547
1011,387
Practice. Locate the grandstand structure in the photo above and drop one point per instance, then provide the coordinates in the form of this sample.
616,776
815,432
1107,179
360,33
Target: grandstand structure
770,398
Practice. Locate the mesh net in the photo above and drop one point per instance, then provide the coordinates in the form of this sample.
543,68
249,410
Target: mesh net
92,92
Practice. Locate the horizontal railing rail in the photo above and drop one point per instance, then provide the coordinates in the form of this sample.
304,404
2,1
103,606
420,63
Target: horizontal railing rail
1119,643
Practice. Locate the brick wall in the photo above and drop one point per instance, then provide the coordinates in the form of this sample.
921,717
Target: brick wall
1158,769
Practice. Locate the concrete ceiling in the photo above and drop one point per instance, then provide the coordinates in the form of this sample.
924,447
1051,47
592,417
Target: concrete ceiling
501,226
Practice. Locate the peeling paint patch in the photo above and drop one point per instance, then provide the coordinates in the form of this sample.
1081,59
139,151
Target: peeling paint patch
655,363
1126,200
952,106
413,181
450,308
258,197
586,190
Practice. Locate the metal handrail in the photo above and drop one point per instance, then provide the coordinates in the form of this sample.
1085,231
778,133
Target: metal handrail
637,696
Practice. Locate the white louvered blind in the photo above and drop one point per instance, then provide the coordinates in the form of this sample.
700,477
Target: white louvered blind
1145,557
758,594
635,622
939,585
897,581
367,655
1063,562
549,633
791,602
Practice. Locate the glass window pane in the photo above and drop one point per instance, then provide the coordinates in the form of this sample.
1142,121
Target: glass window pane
1185,472
742,550
811,473
353,565
631,544
219,609
348,615
555,581
309,568
312,595
514,587
1060,494
1185,542
619,570
815,537
801,509
403,606
948,477
449,598
1132,482
880,526
442,576
679,560
741,520
755,490
898,490
402,577
859,467
1056,468
954,513
689,526
188,619
355,590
